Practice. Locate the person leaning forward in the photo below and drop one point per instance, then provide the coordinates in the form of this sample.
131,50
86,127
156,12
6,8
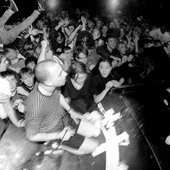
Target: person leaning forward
46,107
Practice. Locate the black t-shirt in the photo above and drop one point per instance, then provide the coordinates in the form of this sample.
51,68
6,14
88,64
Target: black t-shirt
104,52
98,83
161,62
81,99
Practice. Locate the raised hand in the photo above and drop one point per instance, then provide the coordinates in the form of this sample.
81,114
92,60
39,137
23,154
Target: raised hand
109,85
61,22
66,22
116,83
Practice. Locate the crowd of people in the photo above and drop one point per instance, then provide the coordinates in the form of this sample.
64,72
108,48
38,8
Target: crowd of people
55,67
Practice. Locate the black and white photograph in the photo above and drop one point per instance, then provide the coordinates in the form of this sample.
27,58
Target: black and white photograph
84,85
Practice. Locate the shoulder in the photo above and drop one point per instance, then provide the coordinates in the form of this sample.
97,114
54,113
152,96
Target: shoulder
4,87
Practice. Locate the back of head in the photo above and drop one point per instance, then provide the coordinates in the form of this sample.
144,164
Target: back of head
45,69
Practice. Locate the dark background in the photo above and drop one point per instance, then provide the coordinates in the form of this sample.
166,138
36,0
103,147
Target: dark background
157,11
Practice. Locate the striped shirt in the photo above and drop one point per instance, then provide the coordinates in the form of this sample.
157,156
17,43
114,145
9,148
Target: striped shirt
44,113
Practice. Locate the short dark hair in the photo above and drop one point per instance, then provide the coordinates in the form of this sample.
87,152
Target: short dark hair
25,71
113,33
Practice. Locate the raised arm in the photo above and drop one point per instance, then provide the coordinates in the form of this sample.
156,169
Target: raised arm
44,44
73,35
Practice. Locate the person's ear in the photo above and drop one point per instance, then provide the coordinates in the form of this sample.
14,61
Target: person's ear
48,83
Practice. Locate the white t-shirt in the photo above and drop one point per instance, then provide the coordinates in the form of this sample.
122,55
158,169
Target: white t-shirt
5,94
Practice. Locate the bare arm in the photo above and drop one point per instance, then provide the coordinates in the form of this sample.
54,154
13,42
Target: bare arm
136,39
67,31
39,137
73,35
99,97
33,134
75,115
44,44
109,85
11,114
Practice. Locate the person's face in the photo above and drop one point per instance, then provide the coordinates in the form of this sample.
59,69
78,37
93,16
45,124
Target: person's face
122,48
146,32
28,80
105,69
111,43
96,34
90,24
59,39
132,46
104,29
71,28
80,78
116,21
57,77
111,25
69,54
13,83
98,24
82,58
122,32
40,24
31,65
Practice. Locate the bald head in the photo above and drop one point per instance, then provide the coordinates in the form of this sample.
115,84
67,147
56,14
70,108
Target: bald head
47,69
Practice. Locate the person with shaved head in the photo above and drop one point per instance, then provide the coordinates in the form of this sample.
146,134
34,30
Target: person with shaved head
46,107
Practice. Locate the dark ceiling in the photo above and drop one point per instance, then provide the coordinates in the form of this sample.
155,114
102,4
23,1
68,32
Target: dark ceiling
156,10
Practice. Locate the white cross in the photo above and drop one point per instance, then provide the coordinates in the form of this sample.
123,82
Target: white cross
111,146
